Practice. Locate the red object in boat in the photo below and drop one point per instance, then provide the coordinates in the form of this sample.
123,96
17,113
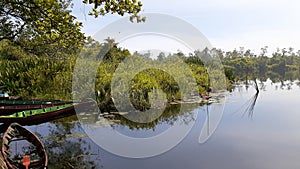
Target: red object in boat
26,161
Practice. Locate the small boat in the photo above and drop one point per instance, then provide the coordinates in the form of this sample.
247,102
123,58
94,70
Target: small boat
14,108
35,158
38,116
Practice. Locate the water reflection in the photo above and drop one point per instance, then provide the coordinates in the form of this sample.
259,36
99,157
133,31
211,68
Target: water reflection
250,104
67,145
270,140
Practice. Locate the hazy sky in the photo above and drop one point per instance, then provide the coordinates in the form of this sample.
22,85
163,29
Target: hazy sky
227,24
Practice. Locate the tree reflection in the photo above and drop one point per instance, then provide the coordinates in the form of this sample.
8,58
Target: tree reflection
68,148
171,114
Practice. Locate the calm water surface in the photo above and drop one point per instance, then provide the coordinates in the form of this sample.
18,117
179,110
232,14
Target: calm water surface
266,138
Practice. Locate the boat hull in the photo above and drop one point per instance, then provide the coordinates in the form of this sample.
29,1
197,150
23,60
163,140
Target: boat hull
45,116
10,109
17,132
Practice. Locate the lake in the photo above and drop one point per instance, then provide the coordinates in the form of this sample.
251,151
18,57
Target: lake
256,132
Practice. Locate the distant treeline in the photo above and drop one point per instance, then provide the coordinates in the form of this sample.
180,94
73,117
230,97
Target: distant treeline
243,64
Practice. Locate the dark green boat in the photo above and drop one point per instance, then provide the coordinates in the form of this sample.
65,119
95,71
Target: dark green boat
38,116
17,106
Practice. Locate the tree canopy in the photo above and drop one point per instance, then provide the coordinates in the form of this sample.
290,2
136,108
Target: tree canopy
47,27
120,7
42,27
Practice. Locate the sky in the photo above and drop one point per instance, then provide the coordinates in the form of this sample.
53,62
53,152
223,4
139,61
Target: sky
227,25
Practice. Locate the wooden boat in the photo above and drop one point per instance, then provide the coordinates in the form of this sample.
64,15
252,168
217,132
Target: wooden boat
38,116
37,156
10,109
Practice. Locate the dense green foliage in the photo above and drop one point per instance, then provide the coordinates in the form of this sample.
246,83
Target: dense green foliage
34,77
47,27
41,27
154,75
44,78
39,42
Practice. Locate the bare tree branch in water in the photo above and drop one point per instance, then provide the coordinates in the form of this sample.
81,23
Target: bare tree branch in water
251,102
250,105
256,86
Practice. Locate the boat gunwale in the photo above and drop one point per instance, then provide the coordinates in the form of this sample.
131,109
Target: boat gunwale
28,113
30,137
